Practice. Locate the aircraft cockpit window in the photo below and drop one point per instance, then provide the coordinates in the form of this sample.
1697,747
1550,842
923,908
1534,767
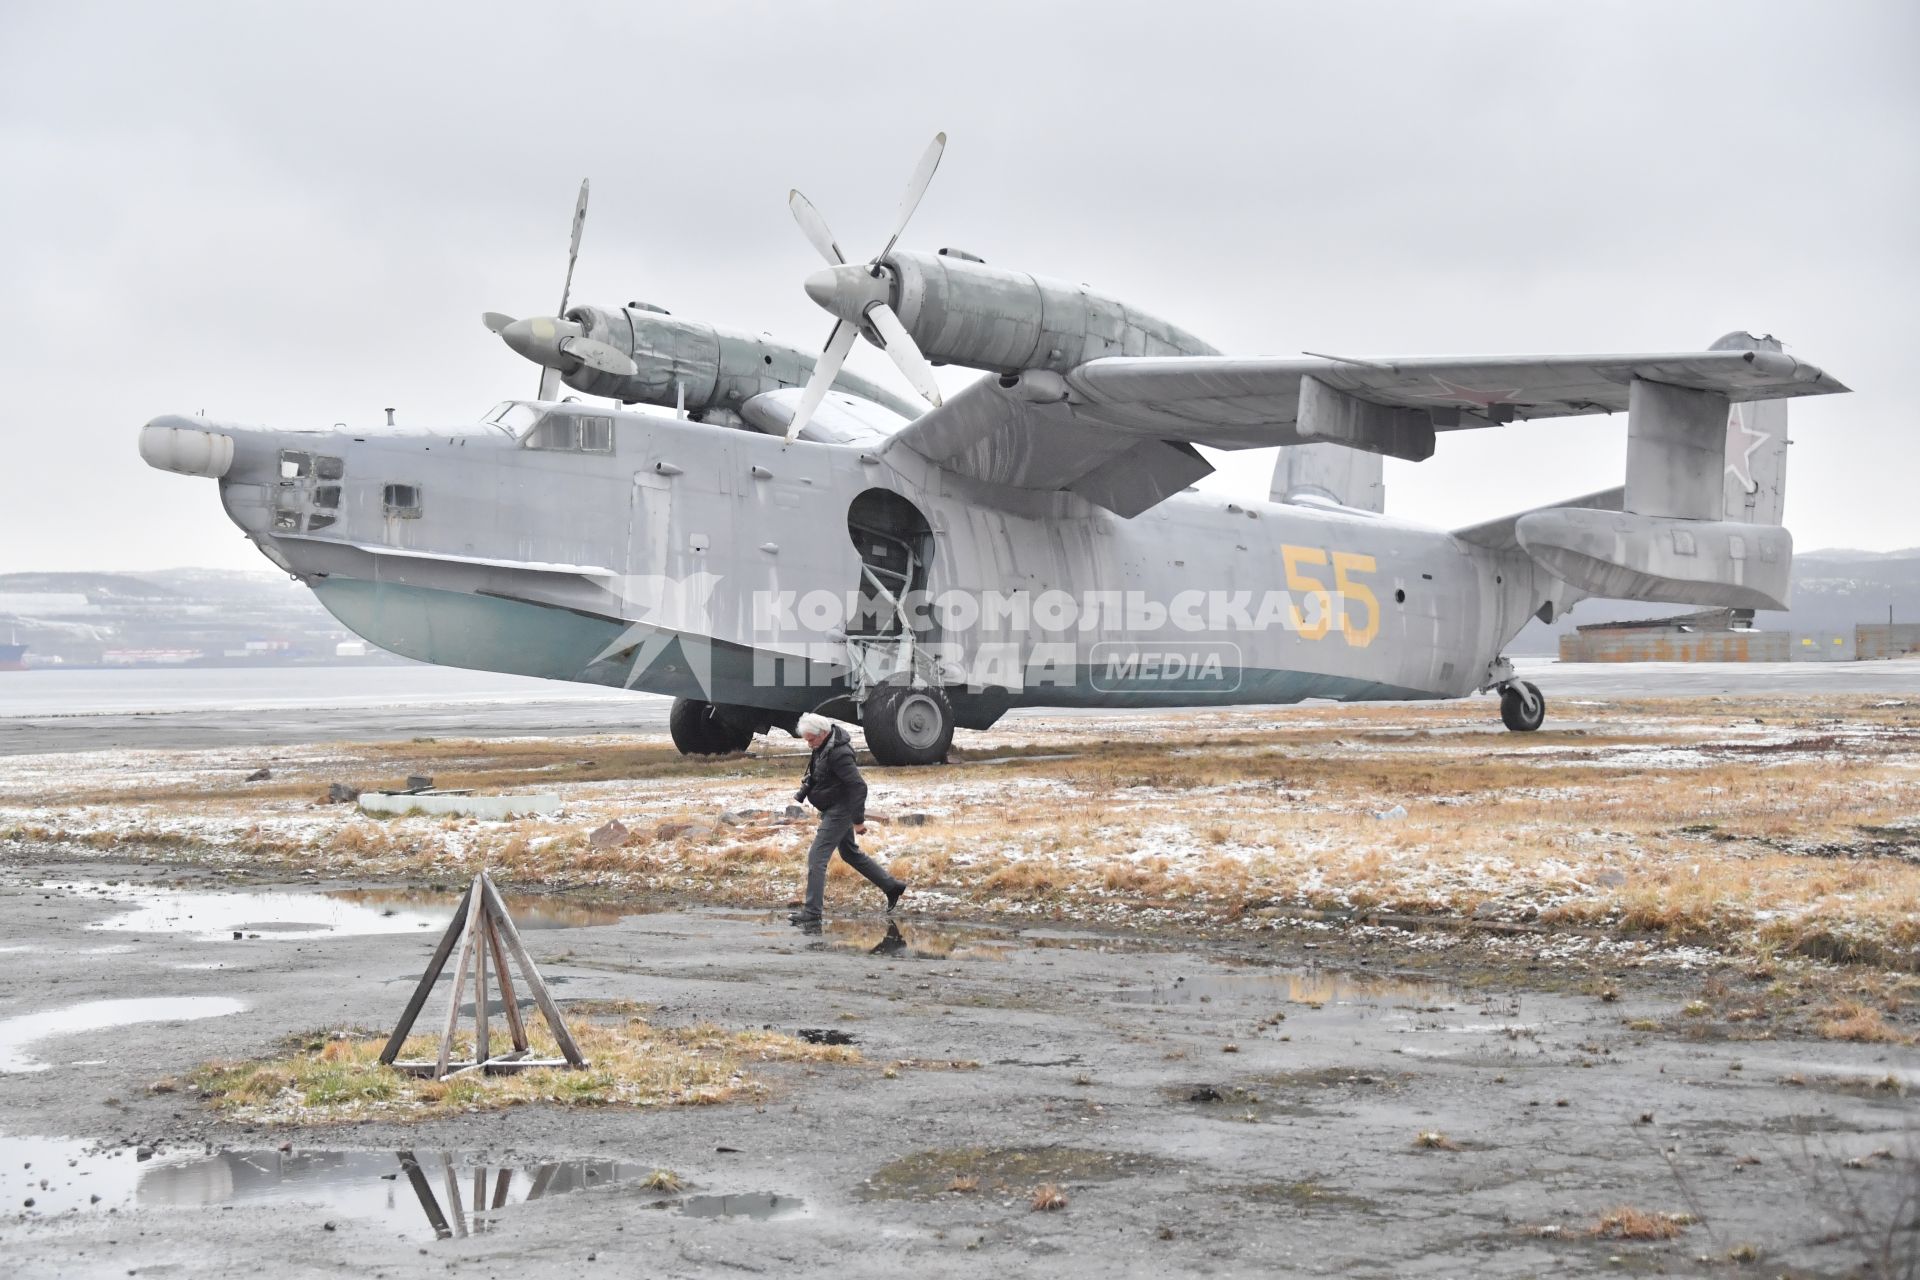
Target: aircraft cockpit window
328,468
573,433
401,501
294,464
327,495
512,417
286,509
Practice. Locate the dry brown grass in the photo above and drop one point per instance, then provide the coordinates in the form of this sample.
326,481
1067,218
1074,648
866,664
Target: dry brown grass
335,1078
1434,1140
1047,1197
1852,1020
1674,821
1629,1223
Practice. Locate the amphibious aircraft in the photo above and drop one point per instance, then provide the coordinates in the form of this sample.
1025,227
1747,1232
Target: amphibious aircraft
776,535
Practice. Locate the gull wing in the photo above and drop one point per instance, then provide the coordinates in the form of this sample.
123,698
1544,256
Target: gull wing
1120,431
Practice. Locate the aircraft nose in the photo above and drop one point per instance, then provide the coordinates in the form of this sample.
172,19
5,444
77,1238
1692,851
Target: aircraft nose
847,291
186,446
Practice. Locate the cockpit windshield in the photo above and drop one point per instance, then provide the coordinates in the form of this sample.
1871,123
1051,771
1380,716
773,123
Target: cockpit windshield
513,417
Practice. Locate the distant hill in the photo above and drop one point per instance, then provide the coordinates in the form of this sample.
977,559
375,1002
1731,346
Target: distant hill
210,616
1832,591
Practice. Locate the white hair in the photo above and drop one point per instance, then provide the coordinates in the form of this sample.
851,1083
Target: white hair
813,722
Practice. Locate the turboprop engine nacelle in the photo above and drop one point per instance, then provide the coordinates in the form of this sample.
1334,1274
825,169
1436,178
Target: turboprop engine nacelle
962,311
699,366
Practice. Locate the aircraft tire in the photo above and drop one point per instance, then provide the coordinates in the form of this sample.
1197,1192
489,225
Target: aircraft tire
698,730
1522,708
907,726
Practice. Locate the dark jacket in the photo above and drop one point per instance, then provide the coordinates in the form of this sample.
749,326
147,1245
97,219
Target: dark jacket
833,780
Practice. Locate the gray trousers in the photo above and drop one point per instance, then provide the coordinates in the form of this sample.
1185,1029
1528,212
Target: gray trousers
836,832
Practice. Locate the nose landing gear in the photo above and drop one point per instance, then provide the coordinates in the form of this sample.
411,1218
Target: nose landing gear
1522,706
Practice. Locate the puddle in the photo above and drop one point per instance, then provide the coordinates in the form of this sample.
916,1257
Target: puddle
759,1206
423,1196
216,916
18,1033
920,942
1000,1171
1310,987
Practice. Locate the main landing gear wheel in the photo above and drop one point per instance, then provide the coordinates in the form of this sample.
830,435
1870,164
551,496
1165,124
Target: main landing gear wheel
1522,708
908,726
698,730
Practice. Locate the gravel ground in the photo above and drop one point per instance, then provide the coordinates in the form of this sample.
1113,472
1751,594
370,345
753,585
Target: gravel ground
1230,1106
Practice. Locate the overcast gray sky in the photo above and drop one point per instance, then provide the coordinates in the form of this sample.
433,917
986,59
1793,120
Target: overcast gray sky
294,213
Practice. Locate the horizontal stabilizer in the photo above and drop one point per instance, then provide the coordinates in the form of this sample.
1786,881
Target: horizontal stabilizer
1499,535
1623,556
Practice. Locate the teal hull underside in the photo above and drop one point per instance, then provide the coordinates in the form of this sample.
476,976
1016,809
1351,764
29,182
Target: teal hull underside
518,637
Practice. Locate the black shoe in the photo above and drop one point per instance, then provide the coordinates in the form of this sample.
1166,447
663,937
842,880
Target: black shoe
893,895
803,917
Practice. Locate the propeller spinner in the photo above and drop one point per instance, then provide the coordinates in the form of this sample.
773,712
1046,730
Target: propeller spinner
559,345
859,296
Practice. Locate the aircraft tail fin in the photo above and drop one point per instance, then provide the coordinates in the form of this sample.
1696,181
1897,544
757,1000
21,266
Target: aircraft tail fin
1701,511
1756,476
1329,473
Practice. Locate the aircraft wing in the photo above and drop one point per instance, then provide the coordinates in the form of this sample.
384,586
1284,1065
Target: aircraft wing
1120,430
1238,403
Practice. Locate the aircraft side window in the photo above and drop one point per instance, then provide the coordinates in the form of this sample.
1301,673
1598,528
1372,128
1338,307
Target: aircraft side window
571,433
320,520
556,431
401,501
327,495
326,468
294,464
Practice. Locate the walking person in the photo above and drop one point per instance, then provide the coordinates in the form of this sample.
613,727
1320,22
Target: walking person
835,787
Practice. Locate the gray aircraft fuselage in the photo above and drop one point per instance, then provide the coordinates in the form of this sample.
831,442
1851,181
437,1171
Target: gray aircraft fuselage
683,558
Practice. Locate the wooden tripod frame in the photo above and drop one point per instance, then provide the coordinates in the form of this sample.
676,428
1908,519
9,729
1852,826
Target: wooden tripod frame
484,932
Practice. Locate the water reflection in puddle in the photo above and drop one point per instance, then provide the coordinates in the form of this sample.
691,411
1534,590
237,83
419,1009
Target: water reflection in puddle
19,1033
214,916
924,942
423,1195
1312,987
758,1206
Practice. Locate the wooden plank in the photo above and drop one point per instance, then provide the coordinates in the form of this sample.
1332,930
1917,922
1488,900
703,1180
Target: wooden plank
480,1018
509,1001
428,1204
460,977
418,1000
531,972
454,1206
500,1187
494,1066
479,1198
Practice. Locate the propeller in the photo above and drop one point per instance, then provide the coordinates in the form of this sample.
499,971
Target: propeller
859,295
556,344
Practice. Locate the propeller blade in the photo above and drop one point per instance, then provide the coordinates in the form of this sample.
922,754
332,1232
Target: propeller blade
599,355
905,352
573,245
825,370
495,321
549,384
815,227
916,187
